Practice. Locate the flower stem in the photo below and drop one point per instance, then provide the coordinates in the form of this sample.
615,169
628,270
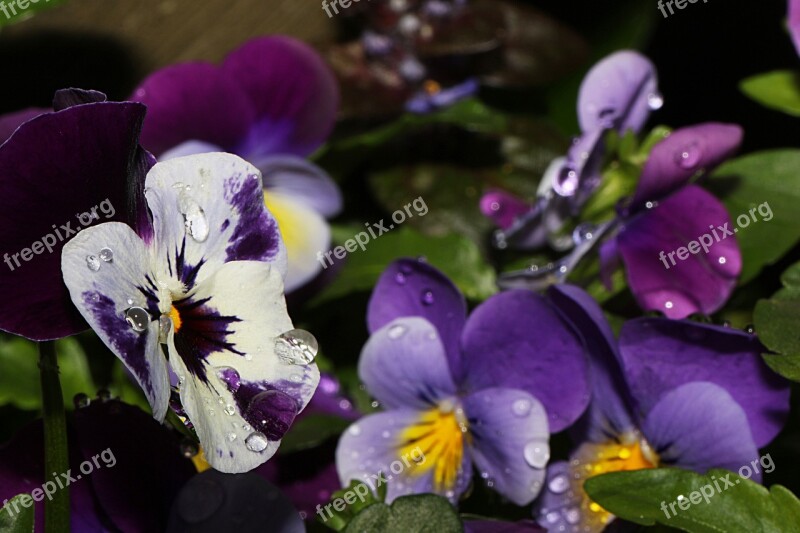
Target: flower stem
56,457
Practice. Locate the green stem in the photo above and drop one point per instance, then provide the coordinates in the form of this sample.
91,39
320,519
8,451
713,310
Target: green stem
56,458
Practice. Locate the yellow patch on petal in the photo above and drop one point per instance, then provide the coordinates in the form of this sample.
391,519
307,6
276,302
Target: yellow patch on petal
199,460
439,435
290,224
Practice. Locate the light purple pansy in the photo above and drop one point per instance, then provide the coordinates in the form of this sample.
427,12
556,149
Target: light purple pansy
666,214
273,101
669,393
617,94
207,290
794,22
485,390
99,177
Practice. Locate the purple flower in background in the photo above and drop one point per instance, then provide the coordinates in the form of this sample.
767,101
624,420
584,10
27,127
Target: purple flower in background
273,102
794,22
667,212
617,94
209,285
669,393
487,389
61,171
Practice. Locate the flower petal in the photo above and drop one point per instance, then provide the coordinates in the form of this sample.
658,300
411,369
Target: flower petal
305,181
649,242
509,436
305,234
404,364
238,392
104,291
794,22
683,154
660,355
563,506
293,91
371,451
208,209
619,92
414,288
515,339
699,426
503,208
193,101
98,159
11,121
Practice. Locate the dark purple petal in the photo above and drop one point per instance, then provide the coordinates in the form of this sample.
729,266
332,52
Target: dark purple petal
699,426
11,121
54,171
496,526
660,354
619,92
302,181
516,340
404,364
293,92
509,441
683,154
610,261
503,208
414,288
193,101
610,412
650,243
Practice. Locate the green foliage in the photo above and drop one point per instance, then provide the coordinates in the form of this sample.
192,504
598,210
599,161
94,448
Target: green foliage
779,90
777,322
422,513
17,519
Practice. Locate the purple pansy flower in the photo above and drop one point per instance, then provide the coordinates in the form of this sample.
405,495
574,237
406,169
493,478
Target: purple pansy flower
98,177
209,286
273,101
669,393
794,22
487,389
666,213
617,94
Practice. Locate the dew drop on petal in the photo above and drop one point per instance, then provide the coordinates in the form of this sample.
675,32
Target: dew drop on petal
655,101
583,233
137,318
231,437
668,305
106,255
572,515
355,430
722,260
400,278
537,454
93,263
521,407
552,517
230,410
194,217
256,442
397,331
558,484
296,347
164,327
272,413
427,297
689,156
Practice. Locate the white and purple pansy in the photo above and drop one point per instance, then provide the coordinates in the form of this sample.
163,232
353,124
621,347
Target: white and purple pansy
202,297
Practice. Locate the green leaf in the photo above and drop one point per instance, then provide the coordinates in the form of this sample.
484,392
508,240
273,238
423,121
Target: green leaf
312,431
347,503
12,15
454,255
779,90
19,372
641,496
777,322
769,181
15,517
421,513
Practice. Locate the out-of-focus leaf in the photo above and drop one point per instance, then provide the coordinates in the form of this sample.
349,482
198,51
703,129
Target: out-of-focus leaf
777,322
311,431
779,90
351,501
17,518
420,513
12,12
769,181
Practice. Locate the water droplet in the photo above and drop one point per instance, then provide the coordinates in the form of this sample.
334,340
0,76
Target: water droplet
130,301
397,331
93,263
106,255
231,437
256,442
552,517
400,278
81,400
355,430
722,260
427,297
386,434
572,515
537,454
566,183
375,404
521,407
583,233
669,305
296,347
655,101
559,484
230,410
188,448
750,328
137,318
230,377
689,156
164,327
194,218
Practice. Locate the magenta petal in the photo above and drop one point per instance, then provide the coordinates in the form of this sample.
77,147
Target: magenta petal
660,354
699,426
413,288
516,340
54,168
293,91
701,282
193,101
619,92
503,208
11,121
683,154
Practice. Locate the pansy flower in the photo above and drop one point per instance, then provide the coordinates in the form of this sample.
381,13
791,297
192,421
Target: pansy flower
617,94
670,393
273,101
485,390
203,298
98,177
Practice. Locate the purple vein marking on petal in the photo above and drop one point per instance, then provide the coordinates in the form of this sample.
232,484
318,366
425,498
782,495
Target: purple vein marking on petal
268,407
130,344
256,236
